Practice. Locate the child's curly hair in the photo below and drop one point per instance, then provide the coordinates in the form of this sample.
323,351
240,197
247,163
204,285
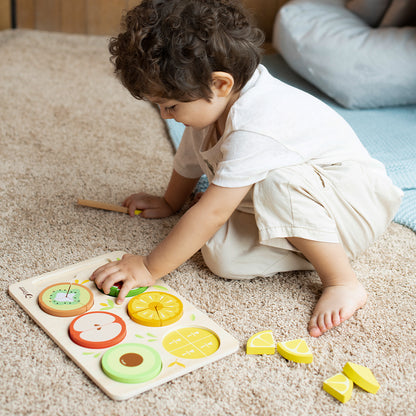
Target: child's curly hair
170,48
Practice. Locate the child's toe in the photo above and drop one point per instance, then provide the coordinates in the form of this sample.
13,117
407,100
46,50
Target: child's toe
336,318
314,331
328,321
316,325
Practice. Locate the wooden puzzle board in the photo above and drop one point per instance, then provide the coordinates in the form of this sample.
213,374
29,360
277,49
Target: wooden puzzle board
26,294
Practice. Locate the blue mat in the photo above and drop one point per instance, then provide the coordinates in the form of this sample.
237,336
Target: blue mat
389,134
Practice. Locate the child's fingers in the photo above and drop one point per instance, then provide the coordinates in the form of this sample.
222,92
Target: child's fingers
127,201
111,280
132,204
108,275
135,198
132,209
95,276
125,288
101,274
102,269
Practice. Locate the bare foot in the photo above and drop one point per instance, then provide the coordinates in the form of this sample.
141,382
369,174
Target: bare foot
336,305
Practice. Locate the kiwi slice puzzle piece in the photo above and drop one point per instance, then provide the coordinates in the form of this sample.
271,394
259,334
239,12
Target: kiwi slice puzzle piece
66,299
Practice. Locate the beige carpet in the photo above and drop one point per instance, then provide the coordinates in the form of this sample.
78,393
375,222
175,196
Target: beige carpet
68,130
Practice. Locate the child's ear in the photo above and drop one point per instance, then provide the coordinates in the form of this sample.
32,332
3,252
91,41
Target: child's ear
222,83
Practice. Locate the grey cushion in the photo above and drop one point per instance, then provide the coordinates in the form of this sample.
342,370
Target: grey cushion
355,64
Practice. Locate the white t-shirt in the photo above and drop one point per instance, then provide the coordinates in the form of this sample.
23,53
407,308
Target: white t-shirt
271,125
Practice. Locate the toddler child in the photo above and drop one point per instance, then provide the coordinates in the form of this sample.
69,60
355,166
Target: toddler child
291,186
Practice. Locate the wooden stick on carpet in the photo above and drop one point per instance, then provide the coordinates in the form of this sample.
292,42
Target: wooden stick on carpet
104,205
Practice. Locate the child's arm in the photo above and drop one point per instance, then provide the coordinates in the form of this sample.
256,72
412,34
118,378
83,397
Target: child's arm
192,231
176,194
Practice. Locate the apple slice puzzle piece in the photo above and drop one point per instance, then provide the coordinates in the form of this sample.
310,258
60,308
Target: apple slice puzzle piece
97,330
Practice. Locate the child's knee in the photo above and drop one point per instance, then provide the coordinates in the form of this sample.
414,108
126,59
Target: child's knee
222,264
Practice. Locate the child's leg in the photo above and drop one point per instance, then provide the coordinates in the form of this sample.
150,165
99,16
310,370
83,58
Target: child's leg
348,205
234,252
342,293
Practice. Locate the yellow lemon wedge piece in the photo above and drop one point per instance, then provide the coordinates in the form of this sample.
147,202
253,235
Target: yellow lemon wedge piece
261,343
339,386
362,377
296,350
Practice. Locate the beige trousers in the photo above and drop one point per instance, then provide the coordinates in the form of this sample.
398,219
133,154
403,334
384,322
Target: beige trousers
347,203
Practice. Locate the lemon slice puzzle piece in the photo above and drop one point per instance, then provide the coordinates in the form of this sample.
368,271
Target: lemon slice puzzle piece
261,343
339,386
155,309
296,350
191,343
362,377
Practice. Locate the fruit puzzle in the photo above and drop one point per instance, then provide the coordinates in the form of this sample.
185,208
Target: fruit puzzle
154,337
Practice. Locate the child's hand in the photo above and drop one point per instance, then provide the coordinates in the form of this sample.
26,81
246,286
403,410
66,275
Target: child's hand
130,270
151,206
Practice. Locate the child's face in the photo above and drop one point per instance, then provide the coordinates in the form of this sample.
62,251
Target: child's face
198,114
201,113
